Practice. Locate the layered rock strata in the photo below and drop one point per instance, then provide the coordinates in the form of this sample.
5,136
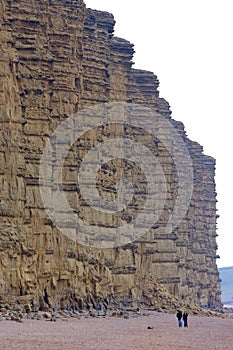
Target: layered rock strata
57,58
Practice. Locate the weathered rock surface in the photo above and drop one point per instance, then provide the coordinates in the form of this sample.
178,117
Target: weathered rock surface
56,58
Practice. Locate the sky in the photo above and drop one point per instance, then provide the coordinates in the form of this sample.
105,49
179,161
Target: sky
188,45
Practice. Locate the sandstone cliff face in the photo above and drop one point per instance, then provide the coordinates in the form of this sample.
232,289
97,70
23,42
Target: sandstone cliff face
57,57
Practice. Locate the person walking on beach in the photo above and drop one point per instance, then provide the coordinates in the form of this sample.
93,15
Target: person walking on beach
179,317
185,319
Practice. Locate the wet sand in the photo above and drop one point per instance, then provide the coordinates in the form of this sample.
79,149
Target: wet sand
204,333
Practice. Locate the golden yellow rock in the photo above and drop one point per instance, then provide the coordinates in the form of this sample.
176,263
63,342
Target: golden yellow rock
55,60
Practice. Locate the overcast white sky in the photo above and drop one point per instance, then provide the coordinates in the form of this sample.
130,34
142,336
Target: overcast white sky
188,45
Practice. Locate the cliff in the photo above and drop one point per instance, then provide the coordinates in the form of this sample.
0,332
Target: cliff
59,58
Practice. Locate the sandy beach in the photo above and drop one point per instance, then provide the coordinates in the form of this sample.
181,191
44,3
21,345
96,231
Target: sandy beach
204,333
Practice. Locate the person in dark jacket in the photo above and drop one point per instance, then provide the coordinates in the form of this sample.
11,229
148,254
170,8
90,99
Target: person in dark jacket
179,317
185,319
